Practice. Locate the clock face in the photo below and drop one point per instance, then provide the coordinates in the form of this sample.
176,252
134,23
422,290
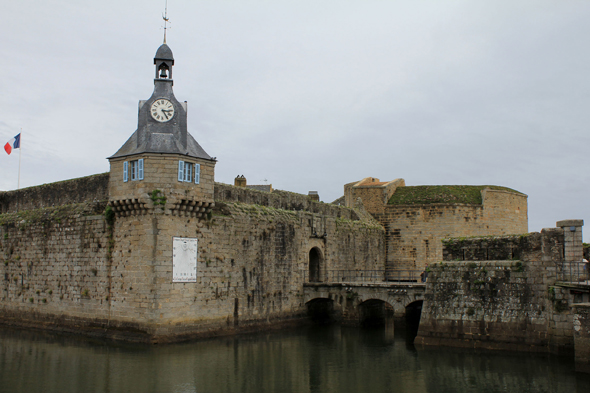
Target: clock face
162,110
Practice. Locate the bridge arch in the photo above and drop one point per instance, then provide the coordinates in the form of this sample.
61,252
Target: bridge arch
323,310
375,312
316,262
356,303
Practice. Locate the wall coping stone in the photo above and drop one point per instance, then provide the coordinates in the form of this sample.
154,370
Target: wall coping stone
569,223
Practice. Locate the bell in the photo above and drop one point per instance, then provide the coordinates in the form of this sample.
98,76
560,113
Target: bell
163,73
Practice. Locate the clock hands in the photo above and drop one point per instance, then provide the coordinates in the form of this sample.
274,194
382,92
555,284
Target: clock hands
162,110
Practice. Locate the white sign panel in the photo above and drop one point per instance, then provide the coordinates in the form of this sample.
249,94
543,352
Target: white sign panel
184,259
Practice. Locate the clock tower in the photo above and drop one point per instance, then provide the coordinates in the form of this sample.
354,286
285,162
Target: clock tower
162,168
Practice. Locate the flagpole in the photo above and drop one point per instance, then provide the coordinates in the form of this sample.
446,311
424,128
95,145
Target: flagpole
19,154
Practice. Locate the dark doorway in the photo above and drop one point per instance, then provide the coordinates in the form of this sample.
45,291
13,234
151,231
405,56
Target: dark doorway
314,265
321,311
413,312
375,313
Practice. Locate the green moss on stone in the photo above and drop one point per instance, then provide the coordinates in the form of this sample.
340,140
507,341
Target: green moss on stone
52,214
346,224
423,195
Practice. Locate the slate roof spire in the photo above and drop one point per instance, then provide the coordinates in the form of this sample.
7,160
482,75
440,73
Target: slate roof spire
158,136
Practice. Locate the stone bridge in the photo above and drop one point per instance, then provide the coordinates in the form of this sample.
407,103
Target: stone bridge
364,303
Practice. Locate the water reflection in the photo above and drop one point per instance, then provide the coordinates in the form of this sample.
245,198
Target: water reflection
314,359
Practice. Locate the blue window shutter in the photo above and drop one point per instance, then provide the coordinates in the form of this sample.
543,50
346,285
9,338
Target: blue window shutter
140,169
125,170
180,170
197,173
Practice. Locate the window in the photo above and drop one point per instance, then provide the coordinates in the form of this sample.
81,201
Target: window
186,170
133,170
197,173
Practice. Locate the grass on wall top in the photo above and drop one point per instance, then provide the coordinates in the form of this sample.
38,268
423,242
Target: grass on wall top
422,195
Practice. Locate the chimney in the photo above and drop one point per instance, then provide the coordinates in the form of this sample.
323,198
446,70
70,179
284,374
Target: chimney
314,196
240,181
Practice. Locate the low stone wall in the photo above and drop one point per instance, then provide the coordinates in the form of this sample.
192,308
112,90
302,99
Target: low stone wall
280,200
83,189
499,304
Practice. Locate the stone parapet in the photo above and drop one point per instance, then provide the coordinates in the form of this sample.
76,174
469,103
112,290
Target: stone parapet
544,247
283,200
83,189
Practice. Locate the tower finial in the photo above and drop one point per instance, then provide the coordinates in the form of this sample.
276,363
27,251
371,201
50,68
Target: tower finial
166,20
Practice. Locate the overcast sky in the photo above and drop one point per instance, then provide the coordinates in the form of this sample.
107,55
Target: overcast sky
310,95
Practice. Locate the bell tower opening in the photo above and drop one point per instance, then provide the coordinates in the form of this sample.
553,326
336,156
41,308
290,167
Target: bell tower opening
163,71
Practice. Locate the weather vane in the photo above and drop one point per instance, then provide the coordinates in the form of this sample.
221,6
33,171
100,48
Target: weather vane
166,20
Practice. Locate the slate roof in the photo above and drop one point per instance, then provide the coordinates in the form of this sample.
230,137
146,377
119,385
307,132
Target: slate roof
162,143
163,53
170,137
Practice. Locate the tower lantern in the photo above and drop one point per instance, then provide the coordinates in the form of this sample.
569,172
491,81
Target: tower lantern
164,60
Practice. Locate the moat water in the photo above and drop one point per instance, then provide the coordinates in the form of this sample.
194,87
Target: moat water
311,359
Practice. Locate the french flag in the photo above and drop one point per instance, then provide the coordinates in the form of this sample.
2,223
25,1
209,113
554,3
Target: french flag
12,144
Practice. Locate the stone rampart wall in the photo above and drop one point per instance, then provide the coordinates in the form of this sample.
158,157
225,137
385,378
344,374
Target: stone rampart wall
54,261
582,336
253,261
280,200
69,269
505,212
509,304
96,188
414,232
83,189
